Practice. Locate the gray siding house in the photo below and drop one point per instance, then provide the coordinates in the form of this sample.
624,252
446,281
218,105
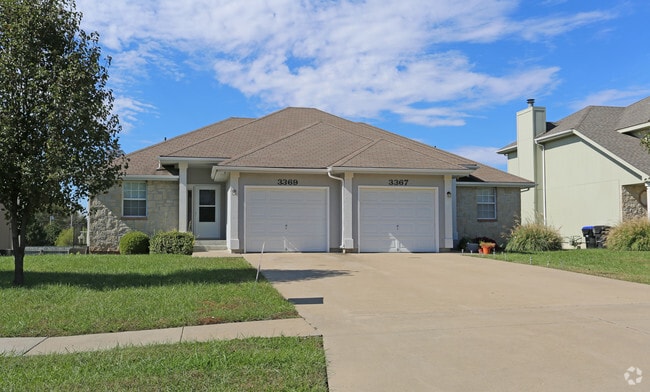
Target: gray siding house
304,180
589,167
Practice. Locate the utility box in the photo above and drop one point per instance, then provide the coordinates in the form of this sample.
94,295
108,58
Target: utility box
595,235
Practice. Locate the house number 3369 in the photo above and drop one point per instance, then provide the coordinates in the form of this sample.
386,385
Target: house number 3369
287,181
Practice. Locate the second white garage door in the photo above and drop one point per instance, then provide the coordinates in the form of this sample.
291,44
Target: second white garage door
397,219
286,219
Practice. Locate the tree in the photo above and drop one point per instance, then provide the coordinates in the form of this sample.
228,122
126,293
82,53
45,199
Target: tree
58,136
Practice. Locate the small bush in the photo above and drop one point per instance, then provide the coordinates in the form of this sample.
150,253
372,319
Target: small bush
134,243
65,238
630,235
534,237
174,242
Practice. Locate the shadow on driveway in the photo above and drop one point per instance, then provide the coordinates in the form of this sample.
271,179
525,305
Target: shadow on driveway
286,275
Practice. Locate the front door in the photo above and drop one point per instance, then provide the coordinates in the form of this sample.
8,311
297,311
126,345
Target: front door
206,212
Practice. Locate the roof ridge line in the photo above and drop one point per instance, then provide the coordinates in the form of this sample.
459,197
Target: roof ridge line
356,153
283,137
232,129
191,132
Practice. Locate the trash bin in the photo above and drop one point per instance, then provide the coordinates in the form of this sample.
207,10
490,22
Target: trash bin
595,235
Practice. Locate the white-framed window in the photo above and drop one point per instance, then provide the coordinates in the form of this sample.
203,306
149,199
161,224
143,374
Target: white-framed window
486,203
134,199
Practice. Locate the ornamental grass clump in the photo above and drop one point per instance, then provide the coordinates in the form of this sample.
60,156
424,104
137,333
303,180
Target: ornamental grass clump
534,237
630,235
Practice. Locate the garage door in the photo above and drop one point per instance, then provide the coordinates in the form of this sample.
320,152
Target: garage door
397,219
286,219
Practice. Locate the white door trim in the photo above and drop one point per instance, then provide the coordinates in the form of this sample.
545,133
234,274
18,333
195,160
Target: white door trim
197,227
436,209
248,188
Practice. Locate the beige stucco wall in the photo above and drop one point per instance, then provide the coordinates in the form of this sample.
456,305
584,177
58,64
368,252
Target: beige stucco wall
248,179
583,186
107,225
318,180
469,226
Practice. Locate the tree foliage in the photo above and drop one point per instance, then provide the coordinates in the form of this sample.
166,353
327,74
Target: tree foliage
58,137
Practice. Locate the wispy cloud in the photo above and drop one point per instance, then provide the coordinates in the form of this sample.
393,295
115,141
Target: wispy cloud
482,154
612,97
354,58
128,110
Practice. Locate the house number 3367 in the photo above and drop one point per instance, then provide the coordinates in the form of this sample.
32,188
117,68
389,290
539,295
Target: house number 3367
398,182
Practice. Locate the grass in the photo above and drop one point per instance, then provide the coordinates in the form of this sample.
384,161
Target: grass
84,294
631,266
255,364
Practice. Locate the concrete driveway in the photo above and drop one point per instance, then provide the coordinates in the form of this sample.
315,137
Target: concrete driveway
446,322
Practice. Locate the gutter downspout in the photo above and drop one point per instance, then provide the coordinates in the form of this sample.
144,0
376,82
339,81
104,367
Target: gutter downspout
330,175
543,179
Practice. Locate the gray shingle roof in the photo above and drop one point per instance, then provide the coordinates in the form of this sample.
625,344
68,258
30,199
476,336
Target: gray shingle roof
304,138
601,124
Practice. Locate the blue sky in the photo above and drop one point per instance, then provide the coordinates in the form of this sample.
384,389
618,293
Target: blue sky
447,73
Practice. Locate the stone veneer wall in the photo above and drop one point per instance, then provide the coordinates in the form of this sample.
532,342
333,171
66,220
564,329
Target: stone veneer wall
467,223
633,202
107,225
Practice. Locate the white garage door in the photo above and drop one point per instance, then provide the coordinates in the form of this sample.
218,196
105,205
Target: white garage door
397,219
286,219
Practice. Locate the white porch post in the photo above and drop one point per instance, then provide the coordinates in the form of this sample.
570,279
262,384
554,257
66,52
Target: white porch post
182,196
647,196
449,212
348,240
232,213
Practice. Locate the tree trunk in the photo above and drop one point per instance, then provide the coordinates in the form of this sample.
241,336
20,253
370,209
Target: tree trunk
19,272
18,240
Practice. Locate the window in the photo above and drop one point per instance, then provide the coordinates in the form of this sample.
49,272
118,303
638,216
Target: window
134,199
486,203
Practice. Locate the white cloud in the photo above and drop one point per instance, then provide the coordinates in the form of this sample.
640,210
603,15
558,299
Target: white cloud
128,110
485,155
354,58
612,97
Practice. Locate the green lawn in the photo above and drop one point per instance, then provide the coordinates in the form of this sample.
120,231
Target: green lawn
255,364
630,266
84,294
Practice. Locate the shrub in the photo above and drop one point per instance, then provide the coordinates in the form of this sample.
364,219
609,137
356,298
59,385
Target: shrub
65,238
534,237
174,242
630,235
134,243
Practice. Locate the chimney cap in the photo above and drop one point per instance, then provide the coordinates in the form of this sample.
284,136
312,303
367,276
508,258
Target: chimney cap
530,102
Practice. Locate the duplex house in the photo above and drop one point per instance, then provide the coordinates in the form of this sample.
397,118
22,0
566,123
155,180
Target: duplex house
304,180
589,167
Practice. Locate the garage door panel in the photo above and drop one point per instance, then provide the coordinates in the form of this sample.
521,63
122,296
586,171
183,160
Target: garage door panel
397,220
286,219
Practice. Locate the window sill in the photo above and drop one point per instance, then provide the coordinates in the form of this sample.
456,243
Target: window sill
487,220
133,218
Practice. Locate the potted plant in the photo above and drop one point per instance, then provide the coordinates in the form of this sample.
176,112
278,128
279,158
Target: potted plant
487,247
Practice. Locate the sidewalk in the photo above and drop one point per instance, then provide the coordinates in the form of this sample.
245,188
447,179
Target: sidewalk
201,333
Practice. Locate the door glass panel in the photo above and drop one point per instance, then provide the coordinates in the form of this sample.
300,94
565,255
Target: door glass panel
207,197
207,214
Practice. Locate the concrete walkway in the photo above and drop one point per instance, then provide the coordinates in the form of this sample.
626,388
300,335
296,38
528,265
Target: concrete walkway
446,322
202,333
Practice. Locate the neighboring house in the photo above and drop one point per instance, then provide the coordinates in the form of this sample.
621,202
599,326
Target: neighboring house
5,233
304,180
589,168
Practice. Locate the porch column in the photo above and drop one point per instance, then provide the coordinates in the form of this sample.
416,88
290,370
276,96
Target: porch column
232,213
647,198
448,196
348,241
182,196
